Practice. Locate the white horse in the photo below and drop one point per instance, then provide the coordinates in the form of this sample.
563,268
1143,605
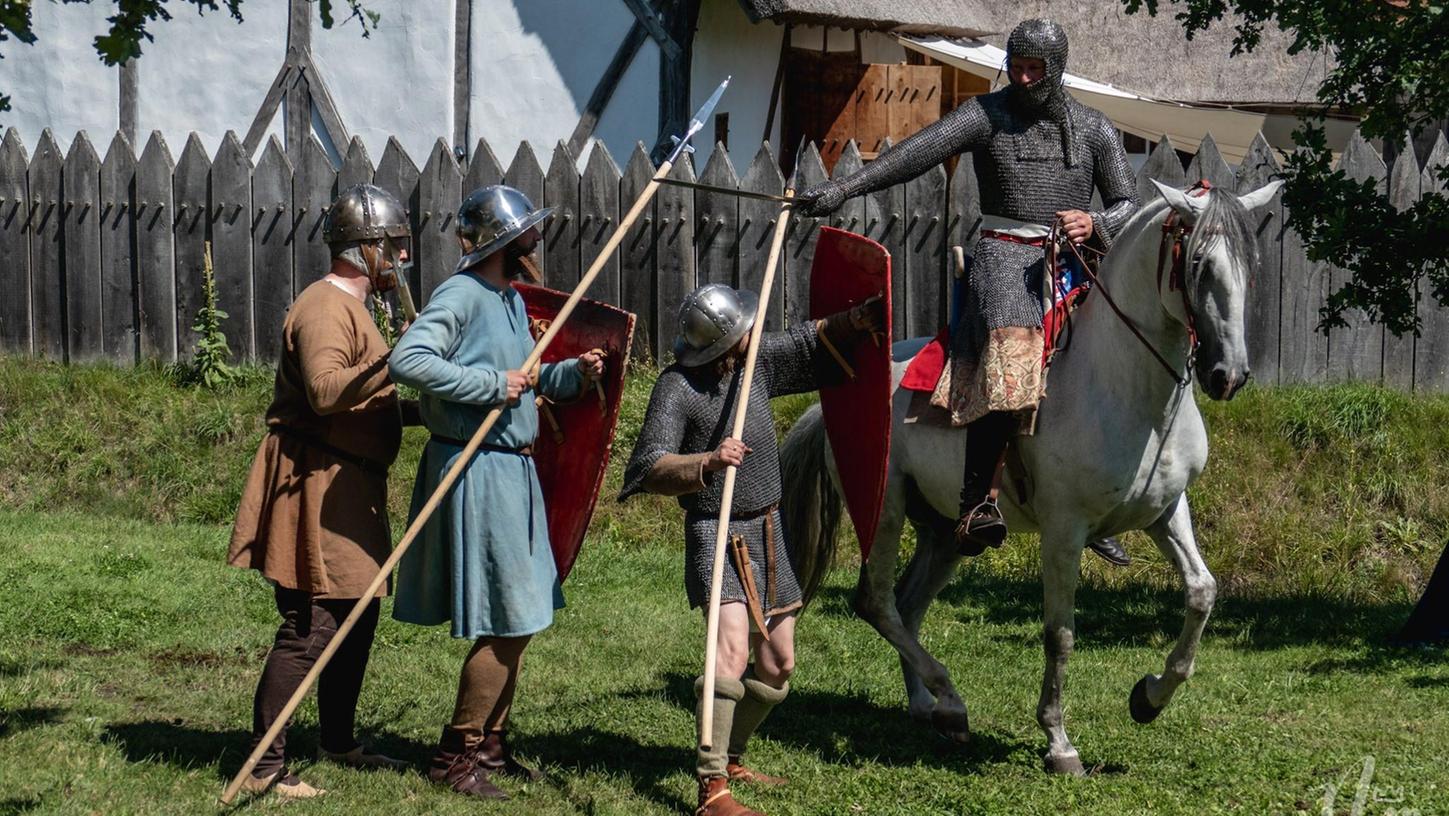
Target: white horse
1118,440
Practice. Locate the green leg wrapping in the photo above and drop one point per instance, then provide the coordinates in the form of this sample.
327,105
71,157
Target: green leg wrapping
759,699
727,694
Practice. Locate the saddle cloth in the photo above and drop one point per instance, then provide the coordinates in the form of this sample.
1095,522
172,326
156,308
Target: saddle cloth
926,366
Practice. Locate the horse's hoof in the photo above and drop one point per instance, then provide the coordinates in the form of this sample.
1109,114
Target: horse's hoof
1068,765
953,725
1143,711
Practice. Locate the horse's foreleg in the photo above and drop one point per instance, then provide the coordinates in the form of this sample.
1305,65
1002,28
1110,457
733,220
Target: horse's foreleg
1061,557
1173,534
931,568
875,602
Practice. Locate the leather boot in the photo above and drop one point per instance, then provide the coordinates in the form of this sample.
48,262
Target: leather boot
980,527
1111,551
739,772
456,765
981,523
497,758
715,799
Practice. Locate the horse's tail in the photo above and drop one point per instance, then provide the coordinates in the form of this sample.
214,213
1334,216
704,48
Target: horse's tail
810,505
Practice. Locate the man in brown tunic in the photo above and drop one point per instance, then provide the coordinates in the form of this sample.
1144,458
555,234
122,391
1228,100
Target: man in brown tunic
313,514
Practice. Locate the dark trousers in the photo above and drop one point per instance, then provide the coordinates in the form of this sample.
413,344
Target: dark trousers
986,439
308,624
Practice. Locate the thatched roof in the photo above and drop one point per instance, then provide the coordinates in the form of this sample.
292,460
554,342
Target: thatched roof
1135,52
955,18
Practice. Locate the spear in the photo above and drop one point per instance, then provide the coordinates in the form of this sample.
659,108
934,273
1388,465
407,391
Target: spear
534,357
711,645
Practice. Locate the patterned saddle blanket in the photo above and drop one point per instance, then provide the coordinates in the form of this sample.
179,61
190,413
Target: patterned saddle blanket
926,366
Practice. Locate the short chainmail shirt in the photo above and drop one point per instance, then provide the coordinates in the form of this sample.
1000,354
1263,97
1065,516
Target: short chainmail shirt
691,411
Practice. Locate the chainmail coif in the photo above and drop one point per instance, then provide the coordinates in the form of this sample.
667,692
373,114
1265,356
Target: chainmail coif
1046,97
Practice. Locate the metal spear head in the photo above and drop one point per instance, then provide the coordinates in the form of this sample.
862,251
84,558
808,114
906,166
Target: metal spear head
696,122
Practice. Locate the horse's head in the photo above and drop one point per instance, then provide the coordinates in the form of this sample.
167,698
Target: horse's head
1219,251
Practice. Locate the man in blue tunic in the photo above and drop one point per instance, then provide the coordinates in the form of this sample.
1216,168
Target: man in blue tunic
483,560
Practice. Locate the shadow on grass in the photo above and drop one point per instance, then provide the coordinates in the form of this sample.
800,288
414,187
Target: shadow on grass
10,807
1132,615
1425,681
171,742
846,729
647,767
19,668
13,721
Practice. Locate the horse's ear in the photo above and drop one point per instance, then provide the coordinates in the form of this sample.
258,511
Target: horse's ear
1175,198
1260,196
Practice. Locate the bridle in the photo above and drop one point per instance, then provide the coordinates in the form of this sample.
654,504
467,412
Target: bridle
1174,236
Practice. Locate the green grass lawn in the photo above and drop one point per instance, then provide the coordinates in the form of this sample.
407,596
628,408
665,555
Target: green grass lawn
128,656
129,653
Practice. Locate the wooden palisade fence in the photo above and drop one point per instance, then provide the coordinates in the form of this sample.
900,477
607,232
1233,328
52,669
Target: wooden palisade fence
100,258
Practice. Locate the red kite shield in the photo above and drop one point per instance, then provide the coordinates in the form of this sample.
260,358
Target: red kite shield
574,438
849,269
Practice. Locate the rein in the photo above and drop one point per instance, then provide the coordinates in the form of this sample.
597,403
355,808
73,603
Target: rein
1173,234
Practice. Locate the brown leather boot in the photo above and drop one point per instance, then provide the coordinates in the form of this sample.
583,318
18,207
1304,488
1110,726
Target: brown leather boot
715,799
738,772
497,758
456,765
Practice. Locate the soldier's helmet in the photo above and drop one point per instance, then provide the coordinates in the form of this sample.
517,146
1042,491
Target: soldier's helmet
712,320
364,212
491,217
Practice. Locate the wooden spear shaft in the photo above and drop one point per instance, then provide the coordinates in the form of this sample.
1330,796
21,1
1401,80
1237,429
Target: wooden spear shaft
443,486
721,536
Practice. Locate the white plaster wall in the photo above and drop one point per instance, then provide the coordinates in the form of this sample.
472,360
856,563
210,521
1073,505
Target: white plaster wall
60,82
728,44
817,38
399,81
535,63
632,115
877,48
209,74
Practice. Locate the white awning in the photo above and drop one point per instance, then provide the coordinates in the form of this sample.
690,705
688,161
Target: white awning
1185,124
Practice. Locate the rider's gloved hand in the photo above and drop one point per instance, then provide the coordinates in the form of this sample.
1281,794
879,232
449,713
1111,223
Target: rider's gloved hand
819,199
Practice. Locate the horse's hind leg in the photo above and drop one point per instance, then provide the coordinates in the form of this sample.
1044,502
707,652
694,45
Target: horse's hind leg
875,602
1061,558
931,568
1173,534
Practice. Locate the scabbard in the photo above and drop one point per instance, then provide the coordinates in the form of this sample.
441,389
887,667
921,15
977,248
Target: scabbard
740,552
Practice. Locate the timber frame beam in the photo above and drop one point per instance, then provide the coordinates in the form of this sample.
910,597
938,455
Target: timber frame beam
656,28
301,84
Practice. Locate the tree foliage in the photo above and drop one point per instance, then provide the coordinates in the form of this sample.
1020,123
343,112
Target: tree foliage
133,20
1389,66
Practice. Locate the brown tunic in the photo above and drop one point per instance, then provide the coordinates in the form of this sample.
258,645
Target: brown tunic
311,519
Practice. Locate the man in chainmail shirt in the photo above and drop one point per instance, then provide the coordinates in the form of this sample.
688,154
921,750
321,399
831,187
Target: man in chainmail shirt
1038,154
682,451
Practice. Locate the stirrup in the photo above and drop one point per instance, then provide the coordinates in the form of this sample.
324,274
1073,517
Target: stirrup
981,527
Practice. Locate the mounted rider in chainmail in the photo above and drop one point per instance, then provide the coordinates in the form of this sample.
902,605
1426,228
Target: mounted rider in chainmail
1038,154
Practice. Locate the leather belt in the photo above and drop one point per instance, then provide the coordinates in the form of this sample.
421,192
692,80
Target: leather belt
1015,239
370,465
526,450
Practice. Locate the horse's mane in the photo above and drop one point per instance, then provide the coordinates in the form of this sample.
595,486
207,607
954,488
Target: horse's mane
1225,218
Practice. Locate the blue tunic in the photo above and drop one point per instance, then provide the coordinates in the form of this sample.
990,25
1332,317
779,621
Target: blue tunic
483,560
